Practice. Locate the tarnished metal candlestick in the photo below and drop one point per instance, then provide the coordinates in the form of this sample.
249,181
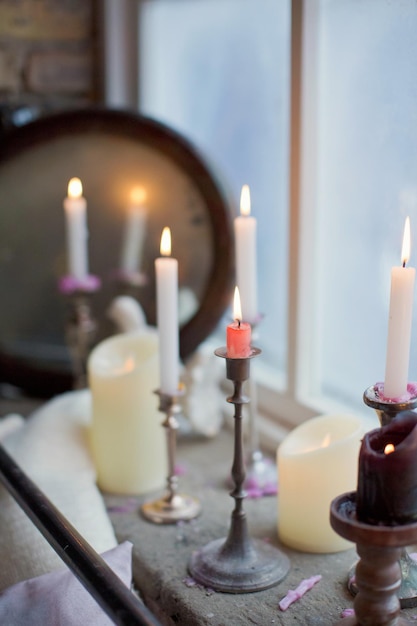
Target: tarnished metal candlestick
129,283
261,472
173,507
81,326
378,573
387,410
237,563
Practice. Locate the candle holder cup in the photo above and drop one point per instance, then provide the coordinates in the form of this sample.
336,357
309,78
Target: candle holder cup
173,507
237,563
386,411
81,326
378,572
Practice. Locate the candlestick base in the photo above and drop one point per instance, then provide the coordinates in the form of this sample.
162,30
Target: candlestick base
231,570
171,510
173,507
378,573
386,411
238,564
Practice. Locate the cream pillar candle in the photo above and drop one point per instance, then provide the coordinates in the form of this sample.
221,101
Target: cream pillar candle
128,442
317,461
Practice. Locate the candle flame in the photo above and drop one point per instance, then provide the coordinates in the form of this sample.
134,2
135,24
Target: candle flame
389,448
137,195
237,307
405,252
166,242
75,188
245,200
326,441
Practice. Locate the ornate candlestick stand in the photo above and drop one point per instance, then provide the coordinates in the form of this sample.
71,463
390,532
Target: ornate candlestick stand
130,282
238,564
378,573
81,327
261,472
387,411
173,507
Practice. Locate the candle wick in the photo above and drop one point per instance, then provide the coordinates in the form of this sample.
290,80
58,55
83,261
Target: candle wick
238,323
403,263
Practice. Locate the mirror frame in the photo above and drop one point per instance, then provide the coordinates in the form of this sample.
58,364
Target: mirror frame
216,298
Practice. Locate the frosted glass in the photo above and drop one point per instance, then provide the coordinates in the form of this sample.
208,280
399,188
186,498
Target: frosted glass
218,71
367,183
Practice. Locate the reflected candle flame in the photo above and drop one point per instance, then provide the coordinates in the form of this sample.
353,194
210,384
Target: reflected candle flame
75,188
138,195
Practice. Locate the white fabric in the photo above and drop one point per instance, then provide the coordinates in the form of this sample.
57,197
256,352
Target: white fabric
51,446
59,598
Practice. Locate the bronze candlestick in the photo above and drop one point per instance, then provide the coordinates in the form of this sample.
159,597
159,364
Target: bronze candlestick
378,573
237,563
173,507
387,410
81,326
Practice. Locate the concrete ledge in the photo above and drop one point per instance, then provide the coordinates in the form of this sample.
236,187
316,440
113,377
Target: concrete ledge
161,554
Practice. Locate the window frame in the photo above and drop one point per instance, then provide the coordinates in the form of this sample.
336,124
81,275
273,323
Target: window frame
282,405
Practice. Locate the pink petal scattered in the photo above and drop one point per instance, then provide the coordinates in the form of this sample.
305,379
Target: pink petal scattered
294,595
347,613
189,582
180,469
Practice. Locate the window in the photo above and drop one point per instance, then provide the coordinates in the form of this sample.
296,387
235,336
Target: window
313,104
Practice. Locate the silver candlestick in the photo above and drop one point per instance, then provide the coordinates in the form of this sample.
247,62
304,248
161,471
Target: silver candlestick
173,507
237,563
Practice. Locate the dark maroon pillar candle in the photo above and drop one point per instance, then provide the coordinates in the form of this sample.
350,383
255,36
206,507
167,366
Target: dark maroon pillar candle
387,483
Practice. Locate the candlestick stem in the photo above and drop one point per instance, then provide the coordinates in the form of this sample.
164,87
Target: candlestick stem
237,563
81,328
378,573
173,506
386,411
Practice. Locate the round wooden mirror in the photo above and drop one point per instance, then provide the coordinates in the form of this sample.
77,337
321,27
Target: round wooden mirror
112,152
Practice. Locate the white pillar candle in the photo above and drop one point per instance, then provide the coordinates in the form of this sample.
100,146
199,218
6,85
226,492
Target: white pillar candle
75,207
399,325
134,232
246,266
316,462
128,443
166,269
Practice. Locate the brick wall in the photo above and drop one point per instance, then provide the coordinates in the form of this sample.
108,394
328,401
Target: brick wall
48,53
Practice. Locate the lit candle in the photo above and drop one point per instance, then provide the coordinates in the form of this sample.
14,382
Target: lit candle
246,272
317,461
387,476
75,207
166,269
238,334
399,326
134,232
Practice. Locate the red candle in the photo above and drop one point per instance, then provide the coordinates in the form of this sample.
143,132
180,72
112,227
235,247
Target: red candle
387,476
238,334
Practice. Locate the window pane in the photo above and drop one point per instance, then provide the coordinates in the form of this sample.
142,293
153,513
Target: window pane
218,72
367,182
